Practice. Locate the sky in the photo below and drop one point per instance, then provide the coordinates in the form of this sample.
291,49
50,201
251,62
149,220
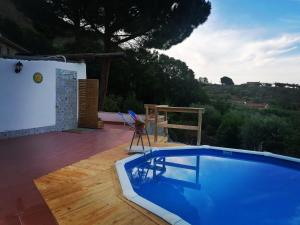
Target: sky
247,40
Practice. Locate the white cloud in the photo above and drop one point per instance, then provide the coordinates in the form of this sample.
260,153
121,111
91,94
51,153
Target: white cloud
244,55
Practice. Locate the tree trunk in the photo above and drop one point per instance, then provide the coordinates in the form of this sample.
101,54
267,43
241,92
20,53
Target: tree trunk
103,82
105,69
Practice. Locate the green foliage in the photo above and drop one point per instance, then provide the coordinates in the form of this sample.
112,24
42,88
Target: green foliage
212,119
226,81
228,133
265,133
152,24
28,38
156,79
281,98
183,136
221,104
131,103
113,103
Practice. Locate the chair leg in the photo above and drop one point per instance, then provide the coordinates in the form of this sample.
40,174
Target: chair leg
142,143
148,138
138,141
131,141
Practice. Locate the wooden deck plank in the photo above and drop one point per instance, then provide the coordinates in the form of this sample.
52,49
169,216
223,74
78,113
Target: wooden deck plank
88,193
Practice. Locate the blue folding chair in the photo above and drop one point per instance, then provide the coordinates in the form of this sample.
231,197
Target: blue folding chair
126,121
138,129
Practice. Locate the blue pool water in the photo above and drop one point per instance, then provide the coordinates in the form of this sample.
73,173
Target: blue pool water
212,187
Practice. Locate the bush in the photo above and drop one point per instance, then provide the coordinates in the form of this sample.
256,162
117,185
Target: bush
264,133
112,103
131,103
228,134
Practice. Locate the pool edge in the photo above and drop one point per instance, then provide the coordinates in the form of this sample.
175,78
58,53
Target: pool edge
166,215
132,196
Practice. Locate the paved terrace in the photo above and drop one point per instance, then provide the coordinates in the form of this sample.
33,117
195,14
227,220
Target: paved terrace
24,159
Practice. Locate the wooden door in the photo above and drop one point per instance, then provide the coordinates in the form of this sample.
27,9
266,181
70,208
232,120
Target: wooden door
88,103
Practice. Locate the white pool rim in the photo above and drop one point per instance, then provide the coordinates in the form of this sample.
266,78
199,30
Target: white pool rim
166,215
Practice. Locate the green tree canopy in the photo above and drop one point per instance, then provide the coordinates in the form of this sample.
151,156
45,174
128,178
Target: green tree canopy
226,81
153,24
265,133
155,78
228,133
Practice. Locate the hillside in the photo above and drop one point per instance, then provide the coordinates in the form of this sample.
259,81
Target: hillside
285,98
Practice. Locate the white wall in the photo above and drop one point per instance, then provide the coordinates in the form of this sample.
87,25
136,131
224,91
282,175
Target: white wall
25,104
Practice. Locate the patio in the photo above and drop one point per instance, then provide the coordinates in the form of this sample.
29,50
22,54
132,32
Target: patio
26,158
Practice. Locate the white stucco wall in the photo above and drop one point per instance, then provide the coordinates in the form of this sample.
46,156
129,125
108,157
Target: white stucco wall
25,104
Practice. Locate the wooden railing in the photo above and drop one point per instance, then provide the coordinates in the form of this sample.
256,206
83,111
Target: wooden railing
162,121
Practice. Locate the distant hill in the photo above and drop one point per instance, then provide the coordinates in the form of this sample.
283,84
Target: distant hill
286,98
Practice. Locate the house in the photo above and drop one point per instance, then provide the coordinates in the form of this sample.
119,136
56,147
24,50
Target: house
203,80
38,94
8,48
253,84
254,105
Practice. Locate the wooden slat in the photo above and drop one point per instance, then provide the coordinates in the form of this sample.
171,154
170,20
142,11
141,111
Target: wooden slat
163,123
178,126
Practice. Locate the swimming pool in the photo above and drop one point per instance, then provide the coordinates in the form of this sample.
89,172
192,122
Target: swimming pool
214,186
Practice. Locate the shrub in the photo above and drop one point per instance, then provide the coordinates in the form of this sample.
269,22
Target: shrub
131,103
228,134
264,133
112,103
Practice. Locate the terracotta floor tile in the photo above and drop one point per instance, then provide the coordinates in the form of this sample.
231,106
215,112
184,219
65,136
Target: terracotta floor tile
38,215
9,220
26,158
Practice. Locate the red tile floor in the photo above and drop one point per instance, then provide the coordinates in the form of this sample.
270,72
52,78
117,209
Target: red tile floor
26,158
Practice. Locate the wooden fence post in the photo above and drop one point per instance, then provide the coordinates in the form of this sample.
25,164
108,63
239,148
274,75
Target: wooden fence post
199,127
155,124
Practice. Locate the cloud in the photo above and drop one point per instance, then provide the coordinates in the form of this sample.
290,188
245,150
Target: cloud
243,54
262,52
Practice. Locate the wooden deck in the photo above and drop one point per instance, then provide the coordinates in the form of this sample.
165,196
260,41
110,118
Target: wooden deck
88,193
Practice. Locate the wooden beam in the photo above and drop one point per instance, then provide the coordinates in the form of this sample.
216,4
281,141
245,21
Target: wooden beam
179,109
177,126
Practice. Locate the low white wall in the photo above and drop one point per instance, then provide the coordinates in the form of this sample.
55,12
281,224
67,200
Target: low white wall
25,104
115,117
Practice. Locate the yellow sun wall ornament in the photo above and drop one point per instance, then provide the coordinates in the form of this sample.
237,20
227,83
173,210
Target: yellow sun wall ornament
38,78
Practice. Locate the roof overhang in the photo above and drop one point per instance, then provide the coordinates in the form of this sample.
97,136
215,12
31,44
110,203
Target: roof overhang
94,56
13,45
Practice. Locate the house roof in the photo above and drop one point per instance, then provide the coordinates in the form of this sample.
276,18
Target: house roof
13,44
76,57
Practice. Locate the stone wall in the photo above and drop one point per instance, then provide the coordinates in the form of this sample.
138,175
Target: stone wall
66,100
